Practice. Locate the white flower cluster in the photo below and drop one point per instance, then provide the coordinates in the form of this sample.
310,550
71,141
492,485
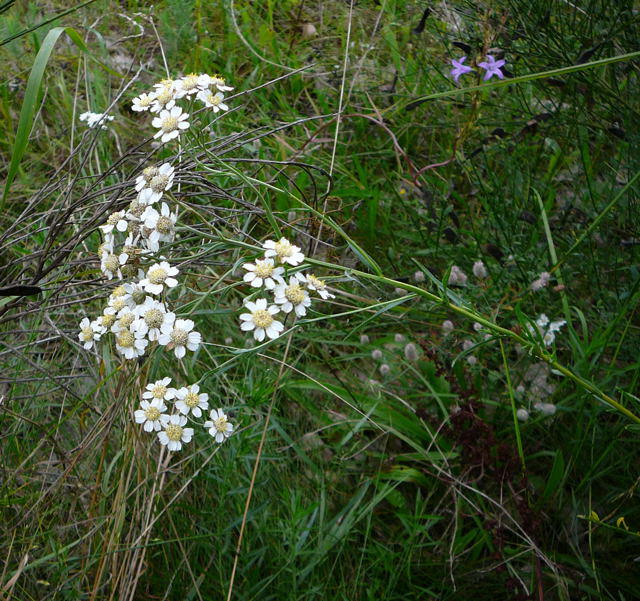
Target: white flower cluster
136,311
188,402
290,291
94,119
171,120
547,329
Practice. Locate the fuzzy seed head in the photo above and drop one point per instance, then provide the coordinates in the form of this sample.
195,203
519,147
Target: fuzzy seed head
164,225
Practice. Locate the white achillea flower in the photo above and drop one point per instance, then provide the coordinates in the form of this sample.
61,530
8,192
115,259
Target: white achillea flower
161,225
159,390
156,185
142,181
187,85
263,271
220,83
131,344
261,320
174,432
213,101
90,332
180,336
150,414
117,302
283,251
115,221
93,119
164,97
219,426
110,265
107,319
158,276
143,102
316,284
152,316
170,123
125,321
134,294
190,399
292,297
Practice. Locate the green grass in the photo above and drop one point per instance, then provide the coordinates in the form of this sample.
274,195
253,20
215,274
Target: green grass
408,485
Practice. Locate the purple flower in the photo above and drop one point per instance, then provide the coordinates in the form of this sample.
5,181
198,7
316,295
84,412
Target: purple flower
492,67
458,68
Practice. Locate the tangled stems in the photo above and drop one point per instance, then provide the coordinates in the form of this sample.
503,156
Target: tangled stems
470,314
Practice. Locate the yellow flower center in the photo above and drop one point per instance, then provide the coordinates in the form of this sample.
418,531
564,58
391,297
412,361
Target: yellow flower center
164,225
283,249
152,414
159,182
157,275
108,319
145,100
263,269
220,423
126,320
118,291
192,399
189,82
114,218
125,339
111,263
158,391
117,304
149,173
164,95
262,318
179,336
154,318
294,294
87,334
174,432
317,283
170,124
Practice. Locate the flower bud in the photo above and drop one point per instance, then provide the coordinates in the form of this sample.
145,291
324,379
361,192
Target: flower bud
411,352
384,369
364,339
522,414
376,354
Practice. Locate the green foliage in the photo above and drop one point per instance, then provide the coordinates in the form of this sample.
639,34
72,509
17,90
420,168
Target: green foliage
415,482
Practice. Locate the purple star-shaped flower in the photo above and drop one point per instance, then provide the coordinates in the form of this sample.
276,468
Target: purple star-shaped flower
458,68
492,67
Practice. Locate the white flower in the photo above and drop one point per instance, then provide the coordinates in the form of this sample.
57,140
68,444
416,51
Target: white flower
90,332
161,226
107,319
291,297
153,315
542,321
148,173
284,251
220,83
159,390
143,102
94,119
261,320
548,333
188,399
164,96
158,276
115,220
187,85
316,284
178,334
117,302
211,100
110,265
219,427
155,186
170,123
263,271
126,320
134,294
131,344
150,414
174,433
